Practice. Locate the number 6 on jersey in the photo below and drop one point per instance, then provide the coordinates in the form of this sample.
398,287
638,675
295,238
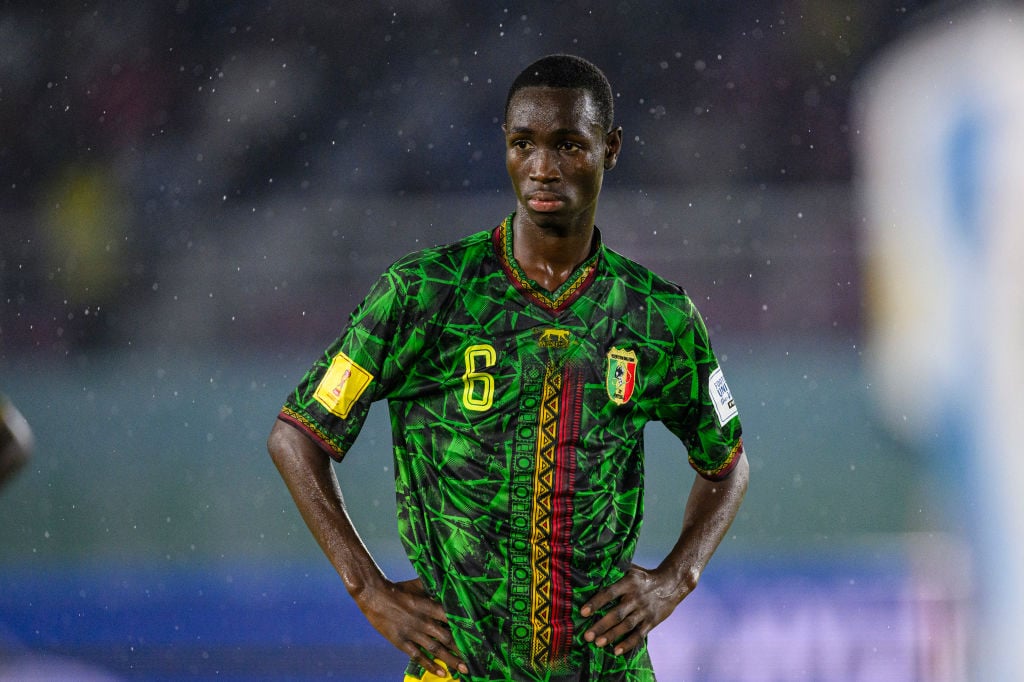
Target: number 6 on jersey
477,386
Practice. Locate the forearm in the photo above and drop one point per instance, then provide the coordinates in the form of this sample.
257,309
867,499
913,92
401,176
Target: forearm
710,510
645,598
309,475
402,612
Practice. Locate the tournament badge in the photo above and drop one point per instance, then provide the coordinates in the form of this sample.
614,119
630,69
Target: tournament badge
721,397
620,379
342,385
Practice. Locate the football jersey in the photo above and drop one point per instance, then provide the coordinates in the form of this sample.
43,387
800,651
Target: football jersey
518,417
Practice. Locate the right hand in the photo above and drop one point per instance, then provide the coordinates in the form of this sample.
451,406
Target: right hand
416,624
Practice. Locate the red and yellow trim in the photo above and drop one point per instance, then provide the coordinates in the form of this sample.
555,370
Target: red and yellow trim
554,302
551,592
318,433
724,468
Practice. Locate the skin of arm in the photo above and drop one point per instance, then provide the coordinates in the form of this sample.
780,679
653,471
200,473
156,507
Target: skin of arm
16,441
644,598
401,611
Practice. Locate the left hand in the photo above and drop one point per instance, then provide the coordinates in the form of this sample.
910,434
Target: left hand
645,598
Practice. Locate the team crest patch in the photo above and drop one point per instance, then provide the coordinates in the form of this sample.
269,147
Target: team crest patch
620,379
721,397
341,387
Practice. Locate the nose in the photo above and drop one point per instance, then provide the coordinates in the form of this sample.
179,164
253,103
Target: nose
544,166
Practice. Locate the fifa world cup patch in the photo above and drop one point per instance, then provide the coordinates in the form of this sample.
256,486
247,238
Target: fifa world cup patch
341,387
721,397
620,378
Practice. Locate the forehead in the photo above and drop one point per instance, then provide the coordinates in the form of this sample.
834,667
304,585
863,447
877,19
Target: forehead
563,108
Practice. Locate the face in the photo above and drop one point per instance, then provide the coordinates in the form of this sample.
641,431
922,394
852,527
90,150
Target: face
556,153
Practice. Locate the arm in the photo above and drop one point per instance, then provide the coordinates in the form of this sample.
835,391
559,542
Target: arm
402,612
647,597
16,440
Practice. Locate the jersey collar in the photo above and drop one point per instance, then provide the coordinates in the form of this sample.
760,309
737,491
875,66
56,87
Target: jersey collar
552,301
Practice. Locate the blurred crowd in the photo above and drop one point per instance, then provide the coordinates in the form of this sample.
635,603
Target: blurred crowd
130,130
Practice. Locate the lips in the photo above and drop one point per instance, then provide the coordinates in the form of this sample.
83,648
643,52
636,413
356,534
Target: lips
545,202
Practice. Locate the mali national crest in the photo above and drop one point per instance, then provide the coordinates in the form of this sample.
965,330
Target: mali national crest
620,378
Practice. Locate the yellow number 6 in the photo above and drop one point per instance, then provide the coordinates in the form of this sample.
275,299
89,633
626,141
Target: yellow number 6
478,387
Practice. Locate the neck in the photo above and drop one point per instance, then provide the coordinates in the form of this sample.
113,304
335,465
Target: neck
549,256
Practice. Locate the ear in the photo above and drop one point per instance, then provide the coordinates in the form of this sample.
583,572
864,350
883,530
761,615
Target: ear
612,147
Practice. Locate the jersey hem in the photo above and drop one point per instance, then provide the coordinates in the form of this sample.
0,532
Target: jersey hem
722,471
311,429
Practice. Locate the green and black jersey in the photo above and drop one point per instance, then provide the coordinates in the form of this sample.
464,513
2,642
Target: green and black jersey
518,417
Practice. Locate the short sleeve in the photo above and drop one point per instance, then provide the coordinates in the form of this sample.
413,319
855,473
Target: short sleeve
698,406
334,396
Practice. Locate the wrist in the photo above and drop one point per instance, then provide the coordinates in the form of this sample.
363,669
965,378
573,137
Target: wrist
359,580
679,581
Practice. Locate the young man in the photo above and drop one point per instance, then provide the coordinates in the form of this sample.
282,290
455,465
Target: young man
520,366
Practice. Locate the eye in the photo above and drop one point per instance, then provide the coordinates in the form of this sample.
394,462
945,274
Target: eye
519,144
568,146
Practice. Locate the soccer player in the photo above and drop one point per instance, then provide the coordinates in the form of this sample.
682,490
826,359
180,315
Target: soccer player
520,366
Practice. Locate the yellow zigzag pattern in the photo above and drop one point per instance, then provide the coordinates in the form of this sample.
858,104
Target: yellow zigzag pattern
543,487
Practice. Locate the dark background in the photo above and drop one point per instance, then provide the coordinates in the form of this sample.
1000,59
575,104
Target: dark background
193,196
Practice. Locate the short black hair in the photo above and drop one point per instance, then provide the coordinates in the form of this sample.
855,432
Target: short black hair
568,71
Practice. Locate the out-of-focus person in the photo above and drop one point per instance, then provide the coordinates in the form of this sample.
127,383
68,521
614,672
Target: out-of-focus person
16,440
941,169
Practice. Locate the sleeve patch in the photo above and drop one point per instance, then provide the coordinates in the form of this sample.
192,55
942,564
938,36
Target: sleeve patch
342,385
721,397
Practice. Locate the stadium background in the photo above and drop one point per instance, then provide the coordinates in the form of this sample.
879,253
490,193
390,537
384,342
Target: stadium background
194,195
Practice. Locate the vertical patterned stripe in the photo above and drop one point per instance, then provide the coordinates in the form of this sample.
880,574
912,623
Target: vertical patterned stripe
561,585
552,518
521,519
540,541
